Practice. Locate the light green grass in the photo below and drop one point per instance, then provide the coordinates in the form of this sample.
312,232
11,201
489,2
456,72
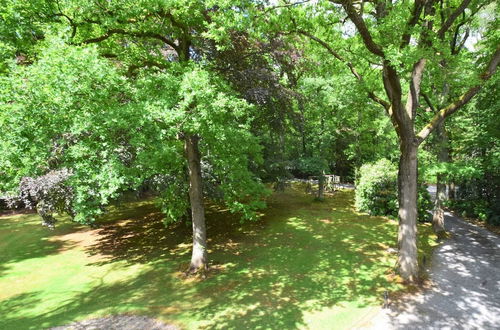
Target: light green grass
304,264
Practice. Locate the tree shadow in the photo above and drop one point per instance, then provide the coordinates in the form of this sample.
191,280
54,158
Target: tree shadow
307,267
466,281
23,237
298,258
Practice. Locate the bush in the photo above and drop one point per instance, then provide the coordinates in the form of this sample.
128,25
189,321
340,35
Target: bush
376,191
479,198
48,194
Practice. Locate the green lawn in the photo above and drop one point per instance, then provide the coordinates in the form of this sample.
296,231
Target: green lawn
304,264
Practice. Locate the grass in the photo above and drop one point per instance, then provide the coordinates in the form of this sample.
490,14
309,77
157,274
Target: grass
303,265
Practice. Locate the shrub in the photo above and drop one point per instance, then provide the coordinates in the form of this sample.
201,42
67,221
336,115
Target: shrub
478,197
376,188
376,191
48,194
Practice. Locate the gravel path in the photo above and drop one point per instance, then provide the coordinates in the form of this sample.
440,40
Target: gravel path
119,322
465,272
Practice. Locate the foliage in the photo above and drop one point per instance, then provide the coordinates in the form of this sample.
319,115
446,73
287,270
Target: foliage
309,166
72,110
199,102
114,134
476,152
111,91
376,190
49,194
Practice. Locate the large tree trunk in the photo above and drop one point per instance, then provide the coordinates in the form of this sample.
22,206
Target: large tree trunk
441,191
407,195
199,257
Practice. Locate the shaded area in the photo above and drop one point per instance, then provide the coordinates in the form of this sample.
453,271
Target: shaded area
23,237
466,277
119,322
303,264
135,233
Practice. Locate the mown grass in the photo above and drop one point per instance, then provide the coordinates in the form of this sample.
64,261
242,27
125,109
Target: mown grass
304,264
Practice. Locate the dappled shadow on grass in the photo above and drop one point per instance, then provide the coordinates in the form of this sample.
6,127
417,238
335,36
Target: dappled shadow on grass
301,255
102,298
23,237
141,235
299,265
141,239
299,258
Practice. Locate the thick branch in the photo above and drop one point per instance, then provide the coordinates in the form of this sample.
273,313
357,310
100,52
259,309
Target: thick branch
462,100
371,94
358,21
402,121
415,14
416,80
111,32
449,22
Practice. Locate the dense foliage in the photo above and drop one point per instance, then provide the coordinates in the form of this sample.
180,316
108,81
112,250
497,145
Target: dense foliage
376,190
475,145
196,100
49,194
73,110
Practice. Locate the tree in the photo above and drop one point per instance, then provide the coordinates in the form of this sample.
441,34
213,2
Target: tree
398,40
156,49
71,110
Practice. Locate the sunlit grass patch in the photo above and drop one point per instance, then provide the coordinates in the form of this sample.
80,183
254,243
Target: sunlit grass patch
303,264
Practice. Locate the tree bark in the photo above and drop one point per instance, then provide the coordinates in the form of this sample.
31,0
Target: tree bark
321,187
199,258
407,195
441,195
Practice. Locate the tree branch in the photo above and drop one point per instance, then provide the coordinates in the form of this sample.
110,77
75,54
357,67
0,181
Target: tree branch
428,101
414,92
449,22
417,10
111,32
371,94
462,100
358,21
70,20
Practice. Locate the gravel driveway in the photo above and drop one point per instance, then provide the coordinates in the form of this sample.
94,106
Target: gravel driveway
465,272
